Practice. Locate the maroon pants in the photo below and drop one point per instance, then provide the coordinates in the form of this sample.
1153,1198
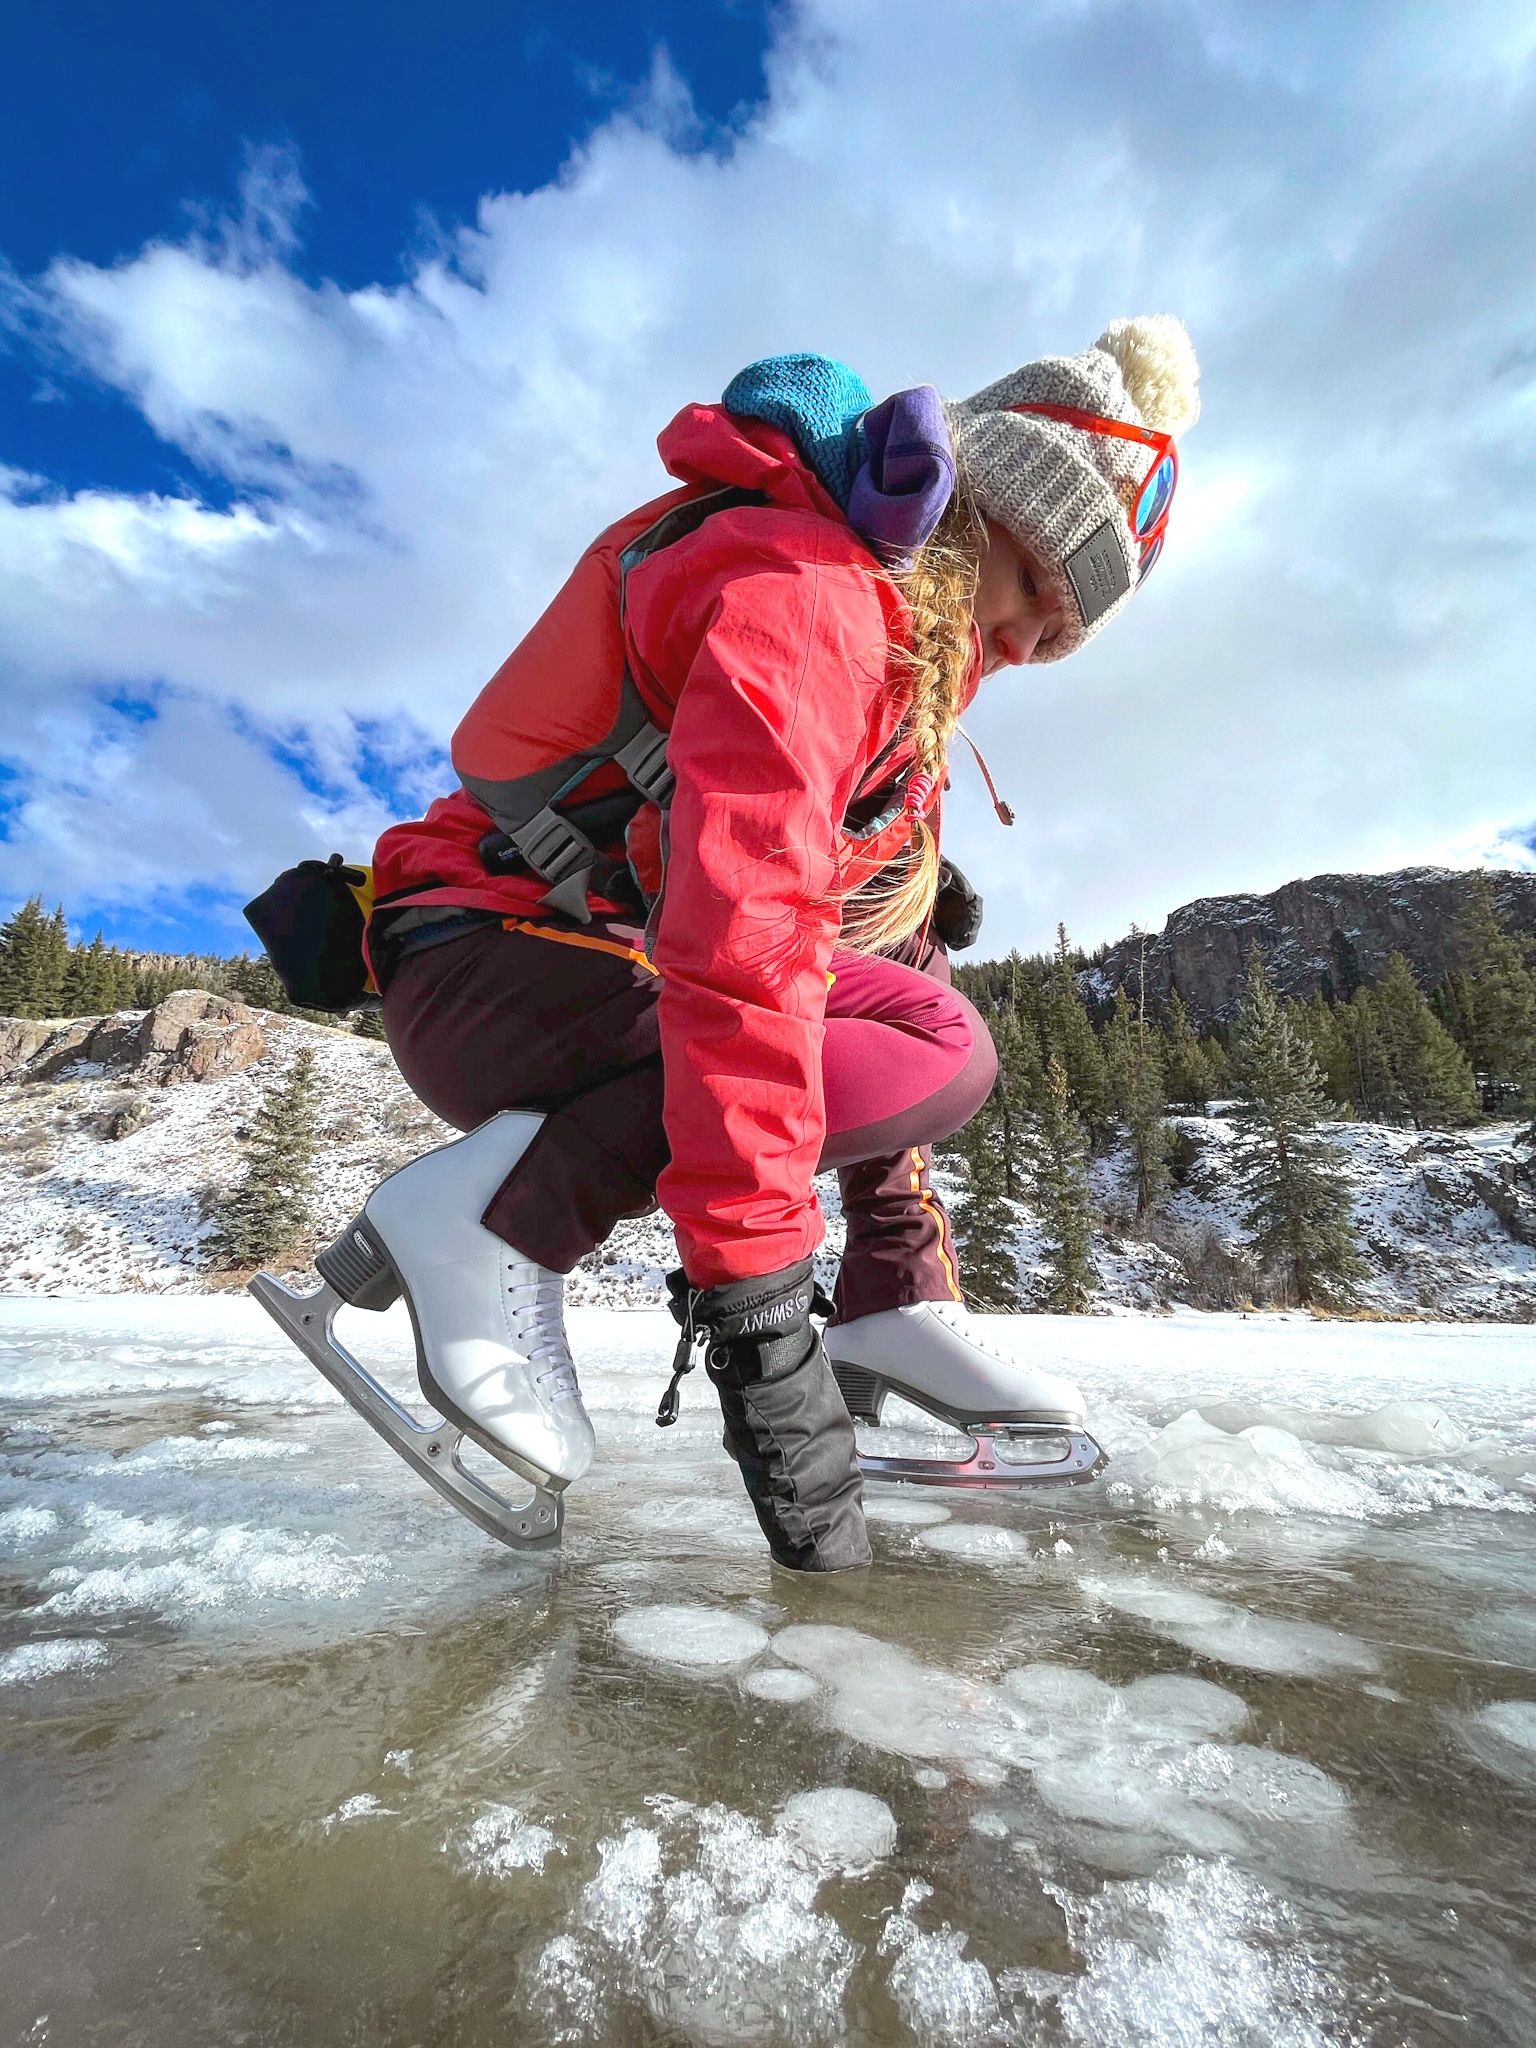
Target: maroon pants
563,1020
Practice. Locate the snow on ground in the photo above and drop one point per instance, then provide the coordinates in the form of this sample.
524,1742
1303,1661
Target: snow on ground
1445,1217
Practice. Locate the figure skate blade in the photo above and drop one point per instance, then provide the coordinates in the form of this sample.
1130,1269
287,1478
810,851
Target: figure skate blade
1052,1456
431,1449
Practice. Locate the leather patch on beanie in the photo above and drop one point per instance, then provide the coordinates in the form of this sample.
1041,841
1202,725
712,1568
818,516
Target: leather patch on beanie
1098,573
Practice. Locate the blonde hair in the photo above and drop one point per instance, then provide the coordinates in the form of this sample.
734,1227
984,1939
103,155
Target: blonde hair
940,590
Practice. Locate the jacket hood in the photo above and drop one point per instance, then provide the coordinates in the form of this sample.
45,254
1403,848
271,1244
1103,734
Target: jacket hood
705,444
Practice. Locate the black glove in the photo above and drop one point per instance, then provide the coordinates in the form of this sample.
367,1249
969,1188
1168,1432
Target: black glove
786,1424
956,909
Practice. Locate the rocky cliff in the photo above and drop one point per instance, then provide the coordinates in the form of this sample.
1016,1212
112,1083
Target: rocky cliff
1330,932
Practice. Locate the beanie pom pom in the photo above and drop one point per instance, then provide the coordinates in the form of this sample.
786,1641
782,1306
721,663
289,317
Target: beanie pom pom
1157,362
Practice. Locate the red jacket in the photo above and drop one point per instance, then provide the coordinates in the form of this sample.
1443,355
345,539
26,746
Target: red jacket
766,642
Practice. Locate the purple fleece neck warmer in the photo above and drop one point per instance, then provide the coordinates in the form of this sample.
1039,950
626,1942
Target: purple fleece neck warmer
906,477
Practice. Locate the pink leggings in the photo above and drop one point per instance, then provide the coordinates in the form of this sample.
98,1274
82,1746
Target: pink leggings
564,1021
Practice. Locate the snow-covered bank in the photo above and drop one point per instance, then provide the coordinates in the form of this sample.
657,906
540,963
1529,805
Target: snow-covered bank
105,1163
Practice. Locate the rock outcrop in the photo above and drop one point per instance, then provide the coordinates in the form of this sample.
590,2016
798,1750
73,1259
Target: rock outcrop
1331,933
191,1036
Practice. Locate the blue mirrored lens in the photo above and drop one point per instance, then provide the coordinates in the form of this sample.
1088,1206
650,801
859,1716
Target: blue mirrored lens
1155,495
1149,554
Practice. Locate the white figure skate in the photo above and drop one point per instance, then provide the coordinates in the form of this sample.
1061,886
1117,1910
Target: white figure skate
1026,1426
491,1351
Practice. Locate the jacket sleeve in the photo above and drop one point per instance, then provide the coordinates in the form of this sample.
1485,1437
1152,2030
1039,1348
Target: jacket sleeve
781,666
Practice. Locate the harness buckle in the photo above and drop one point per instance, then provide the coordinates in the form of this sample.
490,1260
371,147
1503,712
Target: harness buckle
644,761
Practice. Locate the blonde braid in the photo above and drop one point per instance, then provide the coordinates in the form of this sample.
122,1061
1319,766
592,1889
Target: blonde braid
940,590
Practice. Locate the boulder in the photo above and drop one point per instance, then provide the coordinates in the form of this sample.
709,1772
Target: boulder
193,1036
20,1040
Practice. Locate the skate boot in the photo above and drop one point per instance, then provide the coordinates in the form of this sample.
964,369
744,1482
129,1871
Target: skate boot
491,1351
1026,1425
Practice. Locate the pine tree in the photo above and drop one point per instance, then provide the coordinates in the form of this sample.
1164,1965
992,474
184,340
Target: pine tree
984,1222
1489,1004
369,1023
34,952
1017,1094
1059,1172
88,983
1295,1199
1431,1079
266,1210
1326,1039
1136,1081
1069,1037
1187,1072
1364,1062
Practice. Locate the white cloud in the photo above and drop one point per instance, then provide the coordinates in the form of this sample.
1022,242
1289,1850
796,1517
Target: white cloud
1331,668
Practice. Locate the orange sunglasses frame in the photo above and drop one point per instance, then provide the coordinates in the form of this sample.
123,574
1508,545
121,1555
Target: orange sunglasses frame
1162,445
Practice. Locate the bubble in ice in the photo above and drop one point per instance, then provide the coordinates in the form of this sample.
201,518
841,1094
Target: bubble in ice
942,1994
1179,1704
778,1682
916,1514
50,1658
993,1825
700,1638
701,1520
1060,1689
888,1698
837,1828
1231,1634
1503,1737
499,1842
709,1884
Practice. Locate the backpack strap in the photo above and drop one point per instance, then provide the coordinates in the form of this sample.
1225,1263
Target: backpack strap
556,843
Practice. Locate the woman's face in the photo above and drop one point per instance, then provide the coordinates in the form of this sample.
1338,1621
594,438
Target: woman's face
1016,613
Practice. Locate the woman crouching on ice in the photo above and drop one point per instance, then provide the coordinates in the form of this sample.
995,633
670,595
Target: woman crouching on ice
674,939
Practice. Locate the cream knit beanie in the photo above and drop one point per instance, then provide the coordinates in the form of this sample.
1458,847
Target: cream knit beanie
1065,492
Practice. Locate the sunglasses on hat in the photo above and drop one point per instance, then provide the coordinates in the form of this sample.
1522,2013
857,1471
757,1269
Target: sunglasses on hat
1148,516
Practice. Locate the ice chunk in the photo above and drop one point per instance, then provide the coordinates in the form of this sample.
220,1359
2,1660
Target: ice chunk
49,1658
776,1682
706,1884
838,1828
700,1638
499,1841
24,1526
1206,1956
1261,1467
978,1541
942,1994
361,1806
203,1567
930,1779
1259,1783
993,1825
1413,1429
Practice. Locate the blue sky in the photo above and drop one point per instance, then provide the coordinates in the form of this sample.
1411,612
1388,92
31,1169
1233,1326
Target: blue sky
328,337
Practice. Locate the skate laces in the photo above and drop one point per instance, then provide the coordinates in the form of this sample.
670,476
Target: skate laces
537,1318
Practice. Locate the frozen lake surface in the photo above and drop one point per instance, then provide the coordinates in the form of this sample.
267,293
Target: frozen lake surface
1236,1746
